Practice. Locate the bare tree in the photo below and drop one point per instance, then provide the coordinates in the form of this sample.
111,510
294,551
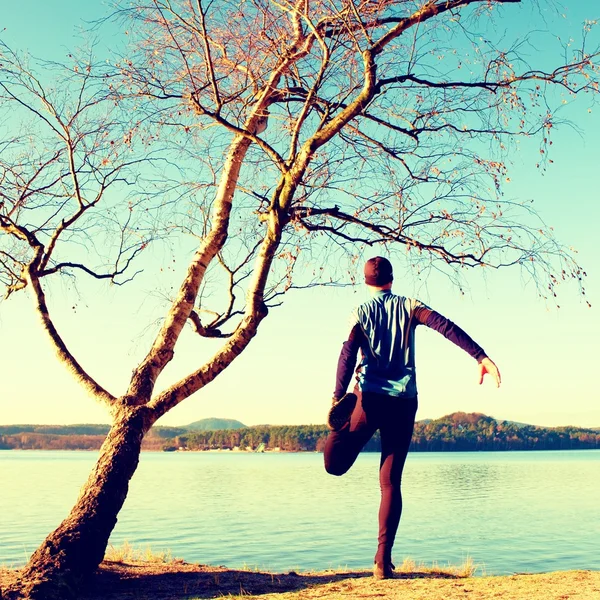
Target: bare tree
294,132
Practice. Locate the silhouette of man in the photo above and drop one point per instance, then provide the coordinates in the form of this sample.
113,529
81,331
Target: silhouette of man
385,396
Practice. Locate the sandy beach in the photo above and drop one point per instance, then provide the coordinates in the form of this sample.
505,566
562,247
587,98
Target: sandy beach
178,580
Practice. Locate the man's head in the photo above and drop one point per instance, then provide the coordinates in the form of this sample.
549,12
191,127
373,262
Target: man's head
378,272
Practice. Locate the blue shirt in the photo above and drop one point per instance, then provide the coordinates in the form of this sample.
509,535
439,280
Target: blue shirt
388,363
383,329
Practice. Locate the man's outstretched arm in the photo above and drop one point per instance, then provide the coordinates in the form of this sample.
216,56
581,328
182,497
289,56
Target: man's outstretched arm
456,335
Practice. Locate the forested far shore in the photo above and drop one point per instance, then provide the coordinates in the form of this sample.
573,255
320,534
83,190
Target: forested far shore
456,432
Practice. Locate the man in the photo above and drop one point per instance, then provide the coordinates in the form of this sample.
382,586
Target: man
385,397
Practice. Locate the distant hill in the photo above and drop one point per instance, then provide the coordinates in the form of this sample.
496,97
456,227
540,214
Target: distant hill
83,429
88,429
214,424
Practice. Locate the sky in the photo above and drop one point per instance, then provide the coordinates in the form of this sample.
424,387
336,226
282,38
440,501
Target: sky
548,356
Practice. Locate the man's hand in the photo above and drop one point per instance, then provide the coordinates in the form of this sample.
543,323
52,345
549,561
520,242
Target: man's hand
487,366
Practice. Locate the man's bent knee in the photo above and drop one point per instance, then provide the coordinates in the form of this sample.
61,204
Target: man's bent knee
335,468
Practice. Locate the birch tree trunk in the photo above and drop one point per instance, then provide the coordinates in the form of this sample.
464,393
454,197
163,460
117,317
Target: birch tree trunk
73,551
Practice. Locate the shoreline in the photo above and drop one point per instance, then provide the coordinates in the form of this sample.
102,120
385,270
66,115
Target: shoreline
178,580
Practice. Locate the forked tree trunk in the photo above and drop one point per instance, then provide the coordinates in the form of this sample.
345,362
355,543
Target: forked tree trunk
72,552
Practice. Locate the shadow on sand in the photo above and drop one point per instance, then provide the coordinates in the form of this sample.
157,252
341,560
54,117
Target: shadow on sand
178,581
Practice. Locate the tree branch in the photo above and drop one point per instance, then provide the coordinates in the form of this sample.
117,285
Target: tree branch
60,347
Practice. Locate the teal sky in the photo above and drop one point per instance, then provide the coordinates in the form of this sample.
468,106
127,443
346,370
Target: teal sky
548,356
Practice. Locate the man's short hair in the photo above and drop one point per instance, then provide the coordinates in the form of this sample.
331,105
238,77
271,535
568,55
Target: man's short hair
378,271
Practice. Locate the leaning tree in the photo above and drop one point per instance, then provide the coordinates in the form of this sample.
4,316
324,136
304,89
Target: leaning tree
282,137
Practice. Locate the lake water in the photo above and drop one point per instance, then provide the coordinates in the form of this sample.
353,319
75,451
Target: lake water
510,512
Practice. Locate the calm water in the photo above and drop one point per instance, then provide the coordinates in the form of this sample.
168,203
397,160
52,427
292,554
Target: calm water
510,512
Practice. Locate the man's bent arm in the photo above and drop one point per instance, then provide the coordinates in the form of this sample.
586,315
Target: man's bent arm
347,361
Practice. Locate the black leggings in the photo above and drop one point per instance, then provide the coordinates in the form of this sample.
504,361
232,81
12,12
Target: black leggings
395,419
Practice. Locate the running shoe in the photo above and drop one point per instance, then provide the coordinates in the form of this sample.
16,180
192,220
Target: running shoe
383,570
341,411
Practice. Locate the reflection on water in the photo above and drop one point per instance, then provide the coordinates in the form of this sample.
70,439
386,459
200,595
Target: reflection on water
511,512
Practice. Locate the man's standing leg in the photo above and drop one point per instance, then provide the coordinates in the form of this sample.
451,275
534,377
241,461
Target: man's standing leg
397,419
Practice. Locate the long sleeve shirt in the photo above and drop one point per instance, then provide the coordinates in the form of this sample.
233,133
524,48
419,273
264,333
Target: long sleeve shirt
383,329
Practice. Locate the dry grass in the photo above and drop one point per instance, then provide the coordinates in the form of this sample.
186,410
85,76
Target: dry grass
126,553
467,569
